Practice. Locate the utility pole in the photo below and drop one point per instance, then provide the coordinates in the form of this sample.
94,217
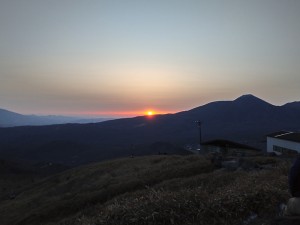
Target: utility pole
200,133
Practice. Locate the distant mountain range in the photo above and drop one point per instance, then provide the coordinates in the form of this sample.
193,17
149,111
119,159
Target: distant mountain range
12,119
247,120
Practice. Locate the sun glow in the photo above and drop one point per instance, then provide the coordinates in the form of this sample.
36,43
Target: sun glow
120,114
150,113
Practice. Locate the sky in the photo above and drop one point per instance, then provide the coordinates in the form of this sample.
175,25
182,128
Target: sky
124,57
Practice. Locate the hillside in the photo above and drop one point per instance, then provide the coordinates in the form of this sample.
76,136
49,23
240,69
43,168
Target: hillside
152,190
15,175
247,120
12,119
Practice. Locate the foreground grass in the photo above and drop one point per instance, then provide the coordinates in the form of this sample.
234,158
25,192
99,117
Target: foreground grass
151,190
67,193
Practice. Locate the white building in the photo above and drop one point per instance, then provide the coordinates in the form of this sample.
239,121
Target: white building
283,142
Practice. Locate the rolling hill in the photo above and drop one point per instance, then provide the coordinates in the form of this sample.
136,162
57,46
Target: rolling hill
12,119
247,119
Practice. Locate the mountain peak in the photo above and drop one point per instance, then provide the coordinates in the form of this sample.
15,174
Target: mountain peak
247,96
250,99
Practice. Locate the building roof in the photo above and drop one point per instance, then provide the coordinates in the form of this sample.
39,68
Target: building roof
278,133
289,136
227,143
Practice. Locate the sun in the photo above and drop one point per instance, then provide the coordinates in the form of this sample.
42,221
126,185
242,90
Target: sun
150,113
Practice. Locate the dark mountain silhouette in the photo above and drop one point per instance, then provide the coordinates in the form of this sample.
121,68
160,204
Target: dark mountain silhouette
12,119
8,118
293,105
247,120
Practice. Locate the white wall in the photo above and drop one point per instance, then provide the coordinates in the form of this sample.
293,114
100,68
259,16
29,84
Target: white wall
282,143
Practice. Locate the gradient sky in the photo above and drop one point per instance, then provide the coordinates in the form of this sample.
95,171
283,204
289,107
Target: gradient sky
122,57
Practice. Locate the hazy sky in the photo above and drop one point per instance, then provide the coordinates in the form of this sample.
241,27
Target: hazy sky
117,57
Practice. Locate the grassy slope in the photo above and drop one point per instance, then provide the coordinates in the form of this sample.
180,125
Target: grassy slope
150,190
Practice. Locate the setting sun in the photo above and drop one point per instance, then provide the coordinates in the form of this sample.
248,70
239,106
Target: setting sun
150,113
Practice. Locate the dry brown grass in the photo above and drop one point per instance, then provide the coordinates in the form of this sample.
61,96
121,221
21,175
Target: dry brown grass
217,197
156,190
66,194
